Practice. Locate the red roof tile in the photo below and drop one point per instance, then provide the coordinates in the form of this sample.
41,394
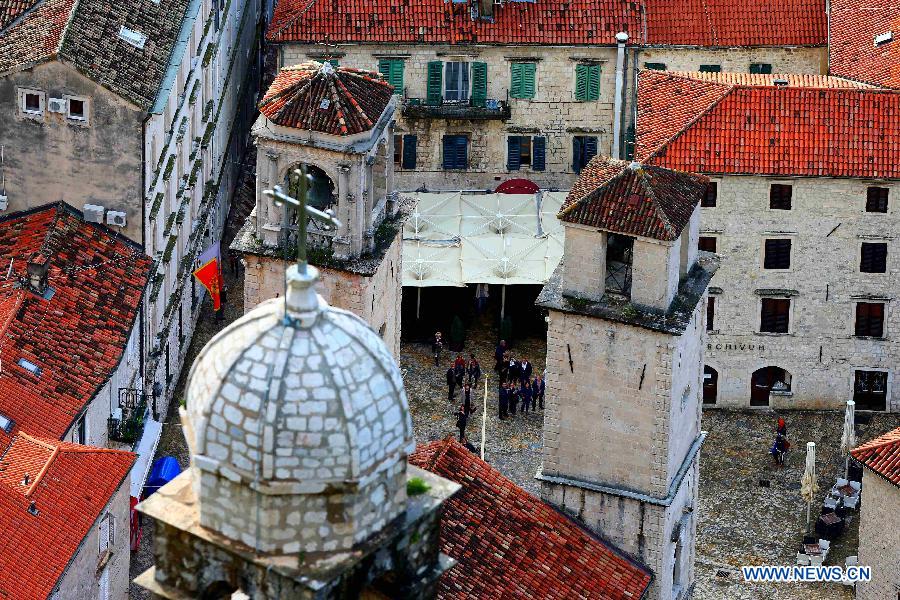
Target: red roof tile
318,97
633,199
509,544
737,23
76,337
444,22
852,51
882,455
693,123
70,486
37,36
11,9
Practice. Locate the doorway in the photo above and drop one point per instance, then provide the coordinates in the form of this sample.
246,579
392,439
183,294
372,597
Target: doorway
767,380
710,385
870,390
619,252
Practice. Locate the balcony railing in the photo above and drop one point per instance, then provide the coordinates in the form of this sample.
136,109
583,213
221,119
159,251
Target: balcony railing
126,427
422,108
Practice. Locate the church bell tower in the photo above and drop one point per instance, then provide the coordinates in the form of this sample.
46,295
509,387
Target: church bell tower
624,364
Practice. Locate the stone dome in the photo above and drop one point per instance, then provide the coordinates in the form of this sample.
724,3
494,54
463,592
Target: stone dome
299,426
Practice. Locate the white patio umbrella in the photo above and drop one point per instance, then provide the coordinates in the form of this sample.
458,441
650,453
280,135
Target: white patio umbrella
808,481
848,438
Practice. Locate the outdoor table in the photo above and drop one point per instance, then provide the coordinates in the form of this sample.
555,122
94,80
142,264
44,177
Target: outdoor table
812,549
829,525
846,490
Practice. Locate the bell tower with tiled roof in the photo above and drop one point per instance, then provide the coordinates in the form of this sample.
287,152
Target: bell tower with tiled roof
625,364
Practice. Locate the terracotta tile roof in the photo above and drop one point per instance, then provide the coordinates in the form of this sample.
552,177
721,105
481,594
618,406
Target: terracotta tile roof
852,51
77,337
439,21
12,9
510,544
318,97
825,130
754,79
70,486
85,34
882,455
727,23
36,37
633,199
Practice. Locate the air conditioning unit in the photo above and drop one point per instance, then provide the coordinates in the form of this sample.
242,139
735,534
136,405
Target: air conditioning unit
93,213
4,202
56,105
115,217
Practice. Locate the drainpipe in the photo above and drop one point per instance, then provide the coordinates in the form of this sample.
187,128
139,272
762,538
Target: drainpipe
621,39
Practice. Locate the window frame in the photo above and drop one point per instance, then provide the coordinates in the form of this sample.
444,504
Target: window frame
856,320
790,200
872,243
85,103
593,73
790,314
765,253
705,236
705,200
710,69
655,66
760,68
711,313
869,200
464,79
525,69
467,139
396,71
42,103
582,139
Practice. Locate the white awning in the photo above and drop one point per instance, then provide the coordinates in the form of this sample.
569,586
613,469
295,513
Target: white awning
453,239
145,451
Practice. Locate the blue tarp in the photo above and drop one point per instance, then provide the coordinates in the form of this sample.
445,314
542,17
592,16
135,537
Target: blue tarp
165,469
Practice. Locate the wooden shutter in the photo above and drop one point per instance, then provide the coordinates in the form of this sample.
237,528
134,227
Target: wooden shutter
434,82
513,153
479,83
593,82
761,68
870,319
581,82
515,83
780,196
408,160
777,254
539,153
462,152
455,152
576,154
392,70
589,150
522,85
775,315
873,257
877,199
710,68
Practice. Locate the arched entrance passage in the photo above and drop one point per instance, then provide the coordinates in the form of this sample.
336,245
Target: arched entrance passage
766,380
710,385
322,193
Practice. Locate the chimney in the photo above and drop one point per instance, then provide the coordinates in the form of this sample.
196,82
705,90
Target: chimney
32,508
26,479
38,266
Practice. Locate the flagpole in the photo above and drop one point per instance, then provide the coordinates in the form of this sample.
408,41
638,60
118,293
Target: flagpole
484,417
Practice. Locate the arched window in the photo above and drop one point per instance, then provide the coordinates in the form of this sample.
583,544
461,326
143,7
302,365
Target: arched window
322,193
767,380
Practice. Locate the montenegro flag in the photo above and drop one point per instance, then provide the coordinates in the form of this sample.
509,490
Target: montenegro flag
209,275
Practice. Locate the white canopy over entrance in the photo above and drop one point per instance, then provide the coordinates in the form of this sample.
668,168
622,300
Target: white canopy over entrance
455,238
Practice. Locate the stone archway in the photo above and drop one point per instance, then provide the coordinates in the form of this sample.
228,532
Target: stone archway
322,189
710,384
766,380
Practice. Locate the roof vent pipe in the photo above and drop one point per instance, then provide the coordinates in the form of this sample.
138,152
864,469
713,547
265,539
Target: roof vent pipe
619,100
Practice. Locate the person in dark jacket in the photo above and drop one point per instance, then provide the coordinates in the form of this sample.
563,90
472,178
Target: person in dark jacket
513,398
469,446
503,401
515,374
526,396
499,355
459,369
451,384
503,372
525,369
467,398
462,419
538,389
437,345
473,369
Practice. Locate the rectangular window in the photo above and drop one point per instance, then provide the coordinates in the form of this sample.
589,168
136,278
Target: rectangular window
538,153
775,315
761,68
587,82
711,313
456,81
522,80
456,152
870,390
392,70
877,199
106,533
873,257
434,82
398,149
584,148
405,151
81,430
32,102
707,243
77,109
518,152
780,196
869,319
712,195
777,254
655,66
710,68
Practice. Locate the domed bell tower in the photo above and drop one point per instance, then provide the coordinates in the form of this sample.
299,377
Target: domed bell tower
624,364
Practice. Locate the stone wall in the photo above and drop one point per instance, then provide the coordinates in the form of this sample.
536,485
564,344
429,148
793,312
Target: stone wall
375,299
552,113
81,579
51,157
879,522
826,225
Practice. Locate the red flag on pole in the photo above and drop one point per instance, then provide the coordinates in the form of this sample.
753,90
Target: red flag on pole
209,275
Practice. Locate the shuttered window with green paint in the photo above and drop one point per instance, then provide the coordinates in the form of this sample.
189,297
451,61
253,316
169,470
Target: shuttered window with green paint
434,82
587,82
392,69
710,68
761,68
479,83
522,80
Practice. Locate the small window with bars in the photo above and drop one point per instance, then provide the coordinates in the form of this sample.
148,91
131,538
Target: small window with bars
873,257
775,315
777,254
711,197
780,196
869,319
877,200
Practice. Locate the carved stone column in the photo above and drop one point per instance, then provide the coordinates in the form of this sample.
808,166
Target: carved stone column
346,204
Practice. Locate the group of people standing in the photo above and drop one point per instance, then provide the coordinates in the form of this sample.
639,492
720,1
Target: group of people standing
518,390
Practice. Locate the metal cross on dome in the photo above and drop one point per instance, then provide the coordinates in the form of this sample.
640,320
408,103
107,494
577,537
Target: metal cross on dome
304,211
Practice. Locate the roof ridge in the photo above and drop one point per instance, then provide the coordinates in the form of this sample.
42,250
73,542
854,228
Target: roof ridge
886,439
293,19
594,192
335,97
644,180
353,101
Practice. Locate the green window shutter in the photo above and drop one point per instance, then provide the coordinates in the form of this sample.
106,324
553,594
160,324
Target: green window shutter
710,68
761,68
434,82
581,82
594,82
392,69
654,66
522,84
515,84
479,83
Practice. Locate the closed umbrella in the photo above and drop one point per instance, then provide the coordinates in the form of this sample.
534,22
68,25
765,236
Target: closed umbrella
808,481
848,438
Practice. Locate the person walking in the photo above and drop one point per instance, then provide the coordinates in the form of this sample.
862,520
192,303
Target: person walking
538,389
526,395
525,369
437,346
459,369
474,370
451,384
513,398
467,398
499,355
462,419
503,401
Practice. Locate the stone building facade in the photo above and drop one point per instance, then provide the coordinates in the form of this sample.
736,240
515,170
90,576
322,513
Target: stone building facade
801,314
624,365
351,174
527,101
